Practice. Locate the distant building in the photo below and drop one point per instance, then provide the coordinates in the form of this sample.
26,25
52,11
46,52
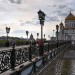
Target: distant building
31,37
67,31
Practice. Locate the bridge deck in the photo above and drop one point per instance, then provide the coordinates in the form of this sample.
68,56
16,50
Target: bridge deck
66,64
62,64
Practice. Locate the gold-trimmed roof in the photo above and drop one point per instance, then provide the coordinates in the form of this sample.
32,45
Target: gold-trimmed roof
70,17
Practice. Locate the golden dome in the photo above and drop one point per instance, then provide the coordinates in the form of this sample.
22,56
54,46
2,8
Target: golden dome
70,17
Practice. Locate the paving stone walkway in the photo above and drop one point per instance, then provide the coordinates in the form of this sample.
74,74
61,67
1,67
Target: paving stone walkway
70,54
65,65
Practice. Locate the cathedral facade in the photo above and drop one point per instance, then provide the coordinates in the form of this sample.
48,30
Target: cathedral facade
67,30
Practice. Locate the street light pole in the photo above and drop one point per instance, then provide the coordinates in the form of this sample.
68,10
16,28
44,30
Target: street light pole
44,36
37,35
41,16
41,32
57,27
49,37
7,31
7,36
27,34
53,33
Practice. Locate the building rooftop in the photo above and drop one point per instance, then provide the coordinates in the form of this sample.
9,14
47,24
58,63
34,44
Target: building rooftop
70,17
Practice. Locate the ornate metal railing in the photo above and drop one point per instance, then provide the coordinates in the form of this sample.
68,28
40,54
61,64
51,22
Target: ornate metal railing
4,60
10,58
38,64
21,56
14,57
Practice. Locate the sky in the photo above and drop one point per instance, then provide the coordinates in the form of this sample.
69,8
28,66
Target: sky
22,16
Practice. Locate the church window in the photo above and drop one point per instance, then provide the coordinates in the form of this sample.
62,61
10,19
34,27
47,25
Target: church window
70,25
65,25
74,25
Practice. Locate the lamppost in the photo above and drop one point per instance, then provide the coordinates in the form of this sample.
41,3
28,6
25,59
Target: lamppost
41,16
49,37
57,28
44,36
37,35
27,34
53,33
7,31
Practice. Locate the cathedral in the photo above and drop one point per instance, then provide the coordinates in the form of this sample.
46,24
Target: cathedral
67,30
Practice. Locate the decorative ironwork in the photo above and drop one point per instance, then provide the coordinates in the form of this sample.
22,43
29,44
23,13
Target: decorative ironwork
35,51
21,55
5,61
45,48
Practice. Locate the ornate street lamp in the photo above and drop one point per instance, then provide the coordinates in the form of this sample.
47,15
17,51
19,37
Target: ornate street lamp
37,35
44,36
41,16
27,34
49,37
42,19
57,28
53,33
7,31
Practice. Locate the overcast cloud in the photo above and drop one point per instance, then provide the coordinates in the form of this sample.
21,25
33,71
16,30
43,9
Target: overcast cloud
22,15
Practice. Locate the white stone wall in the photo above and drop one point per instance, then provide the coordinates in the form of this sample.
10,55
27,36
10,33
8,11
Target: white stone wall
70,32
70,24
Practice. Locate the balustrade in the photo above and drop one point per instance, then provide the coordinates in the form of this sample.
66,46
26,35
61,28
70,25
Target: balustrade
11,58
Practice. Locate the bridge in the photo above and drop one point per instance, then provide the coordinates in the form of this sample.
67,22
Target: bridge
26,60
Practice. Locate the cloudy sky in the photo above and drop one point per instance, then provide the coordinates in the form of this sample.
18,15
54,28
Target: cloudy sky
21,16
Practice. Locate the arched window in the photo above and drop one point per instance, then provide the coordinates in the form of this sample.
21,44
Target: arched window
74,24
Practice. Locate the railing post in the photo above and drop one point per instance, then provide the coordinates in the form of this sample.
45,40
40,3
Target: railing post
54,53
48,47
34,66
30,54
43,60
40,50
12,58
51,55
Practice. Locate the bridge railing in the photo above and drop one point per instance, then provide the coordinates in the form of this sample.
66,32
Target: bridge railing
10,58
38,65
